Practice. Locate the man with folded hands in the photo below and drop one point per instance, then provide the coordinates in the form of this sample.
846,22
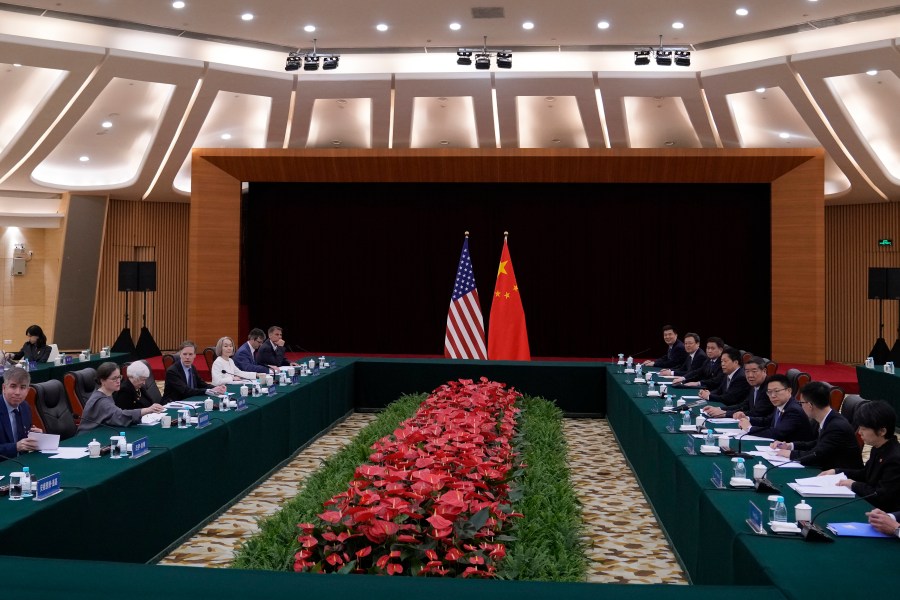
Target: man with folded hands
709,375
695,359
755,403
733,386
787,422
834,446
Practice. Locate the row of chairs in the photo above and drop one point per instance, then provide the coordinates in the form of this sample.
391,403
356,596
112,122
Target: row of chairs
209,355
57,406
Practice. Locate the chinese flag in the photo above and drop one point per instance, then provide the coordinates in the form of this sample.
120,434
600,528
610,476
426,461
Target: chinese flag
507,335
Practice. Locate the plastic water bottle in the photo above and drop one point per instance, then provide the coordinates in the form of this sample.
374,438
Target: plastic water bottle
630,362
710,438
740,471
780,510
638,371
669,402
687,419
123,444
26,482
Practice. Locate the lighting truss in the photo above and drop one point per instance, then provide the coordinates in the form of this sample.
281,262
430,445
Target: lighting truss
663,56
310,60
483,57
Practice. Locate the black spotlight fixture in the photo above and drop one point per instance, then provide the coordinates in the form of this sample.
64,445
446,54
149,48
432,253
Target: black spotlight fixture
664,58
504,60
293,61
641,57
683,58
311,62
465,57
482,60
330,62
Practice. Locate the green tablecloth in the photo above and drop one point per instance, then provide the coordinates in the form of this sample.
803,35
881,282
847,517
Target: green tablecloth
875,384
47,371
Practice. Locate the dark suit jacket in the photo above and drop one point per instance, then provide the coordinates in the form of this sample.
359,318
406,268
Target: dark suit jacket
731,394
673,358
755,404
692,363
176,384
793,424
882,475
243,360
128,398
267,355
32,352
709,375
7,438
834,447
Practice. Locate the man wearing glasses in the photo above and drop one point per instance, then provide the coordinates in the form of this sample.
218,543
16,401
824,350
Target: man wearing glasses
787,422
834,446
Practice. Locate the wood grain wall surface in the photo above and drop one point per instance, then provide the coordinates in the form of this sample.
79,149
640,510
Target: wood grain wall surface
797,202
852,232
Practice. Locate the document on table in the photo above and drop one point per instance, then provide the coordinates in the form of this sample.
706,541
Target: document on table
856,530
822,487
722,421
71,453
183,404
775,459
46,441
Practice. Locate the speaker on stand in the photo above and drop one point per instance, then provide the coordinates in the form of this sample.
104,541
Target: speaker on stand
128,282
146,280
892,291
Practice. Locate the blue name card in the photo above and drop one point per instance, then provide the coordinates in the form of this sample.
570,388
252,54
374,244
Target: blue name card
755,519
47,486
202,420
717,476
140,448
241,404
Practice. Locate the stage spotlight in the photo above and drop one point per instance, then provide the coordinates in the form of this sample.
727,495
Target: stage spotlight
664,58
504,60
483,61
641,57
682,58
465,57
330,62
293,61
310,63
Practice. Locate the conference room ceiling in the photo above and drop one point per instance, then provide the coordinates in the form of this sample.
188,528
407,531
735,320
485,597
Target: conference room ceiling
109,96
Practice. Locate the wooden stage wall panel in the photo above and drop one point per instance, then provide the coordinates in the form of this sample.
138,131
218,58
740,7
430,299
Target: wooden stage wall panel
796,176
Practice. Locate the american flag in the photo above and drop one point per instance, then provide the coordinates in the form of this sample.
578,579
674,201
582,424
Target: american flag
465,326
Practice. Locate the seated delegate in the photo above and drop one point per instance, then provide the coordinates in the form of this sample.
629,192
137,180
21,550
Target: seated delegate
131,392
101,409
271,351
675,352
15,422
875,422
223,369
787,422
35,348
183,380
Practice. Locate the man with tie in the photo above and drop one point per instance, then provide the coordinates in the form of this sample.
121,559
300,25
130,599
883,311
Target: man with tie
756,402
16,422
787,422
709,375
834,446
182,379
271,352
695,360
675,354
733,386
245,357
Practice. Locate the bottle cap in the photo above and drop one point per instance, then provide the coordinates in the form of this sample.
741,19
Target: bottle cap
25,469
780,499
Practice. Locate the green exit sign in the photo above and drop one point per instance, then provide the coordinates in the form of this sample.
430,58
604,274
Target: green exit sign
885,242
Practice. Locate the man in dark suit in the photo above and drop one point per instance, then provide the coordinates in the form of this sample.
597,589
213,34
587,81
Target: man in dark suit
710,374
886,523
271,352
834,446
15,423
182,379
675,354
787,422
733,386
696,357
756,402
245,357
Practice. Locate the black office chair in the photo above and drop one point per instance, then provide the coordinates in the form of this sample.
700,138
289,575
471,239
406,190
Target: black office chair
798,379
150,390
52,404
168,360
850,404
210,355
79,387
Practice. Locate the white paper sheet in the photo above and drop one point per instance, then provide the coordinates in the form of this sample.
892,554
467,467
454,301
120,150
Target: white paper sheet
46,441
70,453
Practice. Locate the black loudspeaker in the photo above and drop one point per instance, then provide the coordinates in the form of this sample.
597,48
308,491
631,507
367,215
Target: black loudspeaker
128,276
146,276
877,283
893,284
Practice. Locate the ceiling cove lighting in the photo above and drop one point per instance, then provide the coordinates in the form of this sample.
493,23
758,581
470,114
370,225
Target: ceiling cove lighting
483,57
310,60
664,56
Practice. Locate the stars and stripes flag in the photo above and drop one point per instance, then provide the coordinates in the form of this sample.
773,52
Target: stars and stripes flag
465,326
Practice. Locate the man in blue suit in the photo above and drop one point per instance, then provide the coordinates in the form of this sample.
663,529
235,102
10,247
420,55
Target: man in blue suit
675,353
694,360
245,357
15,423
788,422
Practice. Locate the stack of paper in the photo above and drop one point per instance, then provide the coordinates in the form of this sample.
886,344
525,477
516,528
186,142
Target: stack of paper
822,487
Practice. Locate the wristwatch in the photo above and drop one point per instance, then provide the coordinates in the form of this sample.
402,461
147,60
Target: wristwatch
897,532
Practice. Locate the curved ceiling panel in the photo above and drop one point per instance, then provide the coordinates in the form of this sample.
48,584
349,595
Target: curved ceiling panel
341,123
658,122
550,122
768,119
445,121
23,90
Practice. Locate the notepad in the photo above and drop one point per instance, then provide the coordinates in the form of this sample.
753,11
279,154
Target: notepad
834,491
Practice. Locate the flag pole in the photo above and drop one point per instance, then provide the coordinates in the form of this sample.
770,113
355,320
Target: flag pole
467,235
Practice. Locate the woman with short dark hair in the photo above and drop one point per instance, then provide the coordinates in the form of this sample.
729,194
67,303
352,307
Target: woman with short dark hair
101,409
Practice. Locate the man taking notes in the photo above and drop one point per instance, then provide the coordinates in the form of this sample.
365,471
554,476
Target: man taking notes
674,356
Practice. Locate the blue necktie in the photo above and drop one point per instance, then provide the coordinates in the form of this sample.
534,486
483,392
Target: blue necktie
188,374
777,416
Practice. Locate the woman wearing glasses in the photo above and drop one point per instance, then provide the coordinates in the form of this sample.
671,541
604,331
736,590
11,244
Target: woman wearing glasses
101,409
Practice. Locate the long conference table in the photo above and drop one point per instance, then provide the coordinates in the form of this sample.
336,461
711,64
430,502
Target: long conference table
875,384
116,515
47,371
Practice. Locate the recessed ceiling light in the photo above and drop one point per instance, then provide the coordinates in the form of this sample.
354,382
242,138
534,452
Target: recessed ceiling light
226,136
603,25
336,142
178,4
17,64
445,142
742,12
455,26
309,28
677,25
669,143
871,72
550,99
106,124
556,140
760,90
527,25
381,27
84,158
247,17
784,135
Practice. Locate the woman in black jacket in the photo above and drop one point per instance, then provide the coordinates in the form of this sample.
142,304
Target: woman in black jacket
36,348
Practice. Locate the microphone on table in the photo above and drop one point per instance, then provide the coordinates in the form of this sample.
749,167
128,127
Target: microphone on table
764,486
739,453
241,377
12,460
813,533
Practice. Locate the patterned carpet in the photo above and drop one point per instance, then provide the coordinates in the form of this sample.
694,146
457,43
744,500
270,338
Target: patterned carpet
623,540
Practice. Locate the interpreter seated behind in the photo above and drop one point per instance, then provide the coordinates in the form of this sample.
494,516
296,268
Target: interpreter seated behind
101,409
35,348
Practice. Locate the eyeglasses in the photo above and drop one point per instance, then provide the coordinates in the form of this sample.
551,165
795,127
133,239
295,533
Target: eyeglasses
802,402
116,378
774,392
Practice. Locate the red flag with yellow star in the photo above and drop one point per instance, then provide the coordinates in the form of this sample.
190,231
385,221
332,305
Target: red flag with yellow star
507,335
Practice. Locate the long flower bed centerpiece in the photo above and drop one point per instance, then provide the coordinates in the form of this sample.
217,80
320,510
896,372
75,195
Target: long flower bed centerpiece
433,498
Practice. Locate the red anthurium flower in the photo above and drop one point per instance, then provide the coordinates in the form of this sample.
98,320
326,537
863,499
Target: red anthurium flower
394,568
334,559
308,541
439,522
363,552
306,527
453,554
431,554
331,516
